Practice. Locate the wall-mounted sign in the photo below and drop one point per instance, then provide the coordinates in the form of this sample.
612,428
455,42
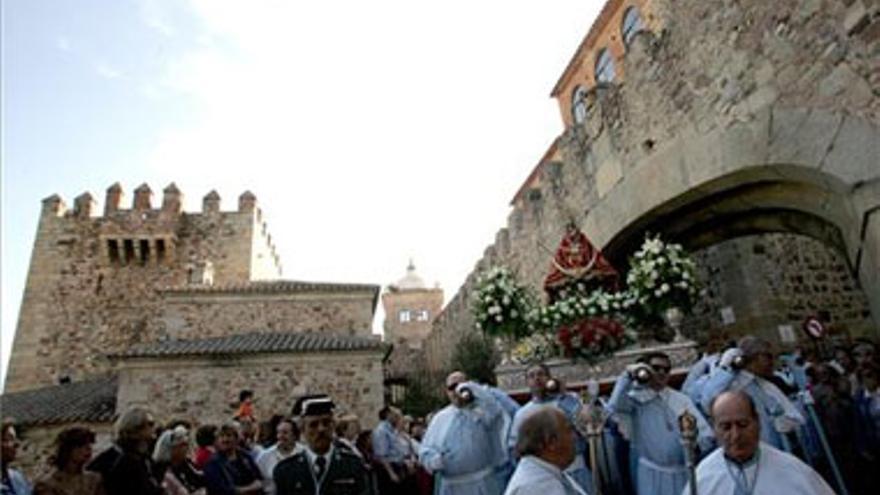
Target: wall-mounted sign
814,327
786,334
727,316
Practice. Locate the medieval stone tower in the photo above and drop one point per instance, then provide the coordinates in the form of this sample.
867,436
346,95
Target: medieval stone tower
95,283
410,309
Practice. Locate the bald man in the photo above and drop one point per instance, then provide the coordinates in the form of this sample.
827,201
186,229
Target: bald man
744,464
546,446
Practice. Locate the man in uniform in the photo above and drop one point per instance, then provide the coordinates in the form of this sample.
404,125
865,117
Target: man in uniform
324,467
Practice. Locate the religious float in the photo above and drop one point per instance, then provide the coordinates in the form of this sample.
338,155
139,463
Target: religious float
589,324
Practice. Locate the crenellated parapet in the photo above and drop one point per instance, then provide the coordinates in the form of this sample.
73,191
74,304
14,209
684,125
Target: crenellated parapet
146,234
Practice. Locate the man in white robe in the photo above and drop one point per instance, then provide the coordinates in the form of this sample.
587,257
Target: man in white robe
462,445
545,443
744,465
779,416
649,414
538,376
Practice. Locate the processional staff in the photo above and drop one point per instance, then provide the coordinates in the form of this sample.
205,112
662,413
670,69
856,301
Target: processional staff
591,423
687,426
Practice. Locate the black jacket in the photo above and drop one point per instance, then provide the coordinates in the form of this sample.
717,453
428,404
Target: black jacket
345,475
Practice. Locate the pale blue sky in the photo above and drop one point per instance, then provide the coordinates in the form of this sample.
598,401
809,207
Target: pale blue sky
404,126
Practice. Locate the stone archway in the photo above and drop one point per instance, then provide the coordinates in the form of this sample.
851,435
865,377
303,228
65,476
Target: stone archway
812,173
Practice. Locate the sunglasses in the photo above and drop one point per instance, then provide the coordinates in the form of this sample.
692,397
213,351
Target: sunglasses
658,368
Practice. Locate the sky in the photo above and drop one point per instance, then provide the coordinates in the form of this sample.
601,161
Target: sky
371,132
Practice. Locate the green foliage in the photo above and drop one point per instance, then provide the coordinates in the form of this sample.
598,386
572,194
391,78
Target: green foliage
424,393
476,355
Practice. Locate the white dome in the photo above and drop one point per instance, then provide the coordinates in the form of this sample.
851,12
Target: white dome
411,280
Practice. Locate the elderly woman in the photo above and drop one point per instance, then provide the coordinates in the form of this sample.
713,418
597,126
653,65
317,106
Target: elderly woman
170,456
231,470
12,479
73,449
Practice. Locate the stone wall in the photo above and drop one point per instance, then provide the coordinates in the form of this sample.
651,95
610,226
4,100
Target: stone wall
205,390
795,77
779,279
93,280
190,315
414,330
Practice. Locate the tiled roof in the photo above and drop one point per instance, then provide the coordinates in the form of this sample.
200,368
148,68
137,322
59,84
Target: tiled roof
274,286
92,401
253,343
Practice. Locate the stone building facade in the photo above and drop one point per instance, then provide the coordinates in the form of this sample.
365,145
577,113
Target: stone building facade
747,131
94,280
410,308
177,311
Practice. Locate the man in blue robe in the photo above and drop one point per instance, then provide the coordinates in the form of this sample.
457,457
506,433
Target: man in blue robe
462,444
749,367
647,410
538,376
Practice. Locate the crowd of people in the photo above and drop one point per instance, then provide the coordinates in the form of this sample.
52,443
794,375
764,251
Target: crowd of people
761,422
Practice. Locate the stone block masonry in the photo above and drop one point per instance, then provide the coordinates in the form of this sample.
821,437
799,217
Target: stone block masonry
92,285
203,390
735,118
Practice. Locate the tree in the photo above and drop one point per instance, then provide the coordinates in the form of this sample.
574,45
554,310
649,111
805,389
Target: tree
476,355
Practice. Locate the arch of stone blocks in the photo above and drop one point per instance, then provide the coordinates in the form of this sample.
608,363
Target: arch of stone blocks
803,171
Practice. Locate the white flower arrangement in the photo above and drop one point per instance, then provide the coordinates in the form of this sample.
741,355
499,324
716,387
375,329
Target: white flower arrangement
501,306
661,276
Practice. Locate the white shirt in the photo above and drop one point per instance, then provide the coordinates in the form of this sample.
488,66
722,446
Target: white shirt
774,472
268,459
534,475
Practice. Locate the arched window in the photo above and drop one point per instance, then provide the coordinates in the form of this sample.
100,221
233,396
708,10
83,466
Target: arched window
604,66
579,104
632,23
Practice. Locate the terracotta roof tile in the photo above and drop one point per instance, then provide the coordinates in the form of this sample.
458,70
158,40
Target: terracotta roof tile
92,401
275,286
253,343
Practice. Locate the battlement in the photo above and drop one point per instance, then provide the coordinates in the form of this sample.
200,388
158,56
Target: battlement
172,203
145,234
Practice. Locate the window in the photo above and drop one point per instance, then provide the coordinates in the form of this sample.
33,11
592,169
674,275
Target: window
160,250
113,250
422,315
579,105
604,66
128,248
144,251
632,24
404,316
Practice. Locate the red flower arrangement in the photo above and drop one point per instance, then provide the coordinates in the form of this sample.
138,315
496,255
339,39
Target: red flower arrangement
592,338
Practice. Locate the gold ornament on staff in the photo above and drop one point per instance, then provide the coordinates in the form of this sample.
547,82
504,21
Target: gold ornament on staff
590,423
687,426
